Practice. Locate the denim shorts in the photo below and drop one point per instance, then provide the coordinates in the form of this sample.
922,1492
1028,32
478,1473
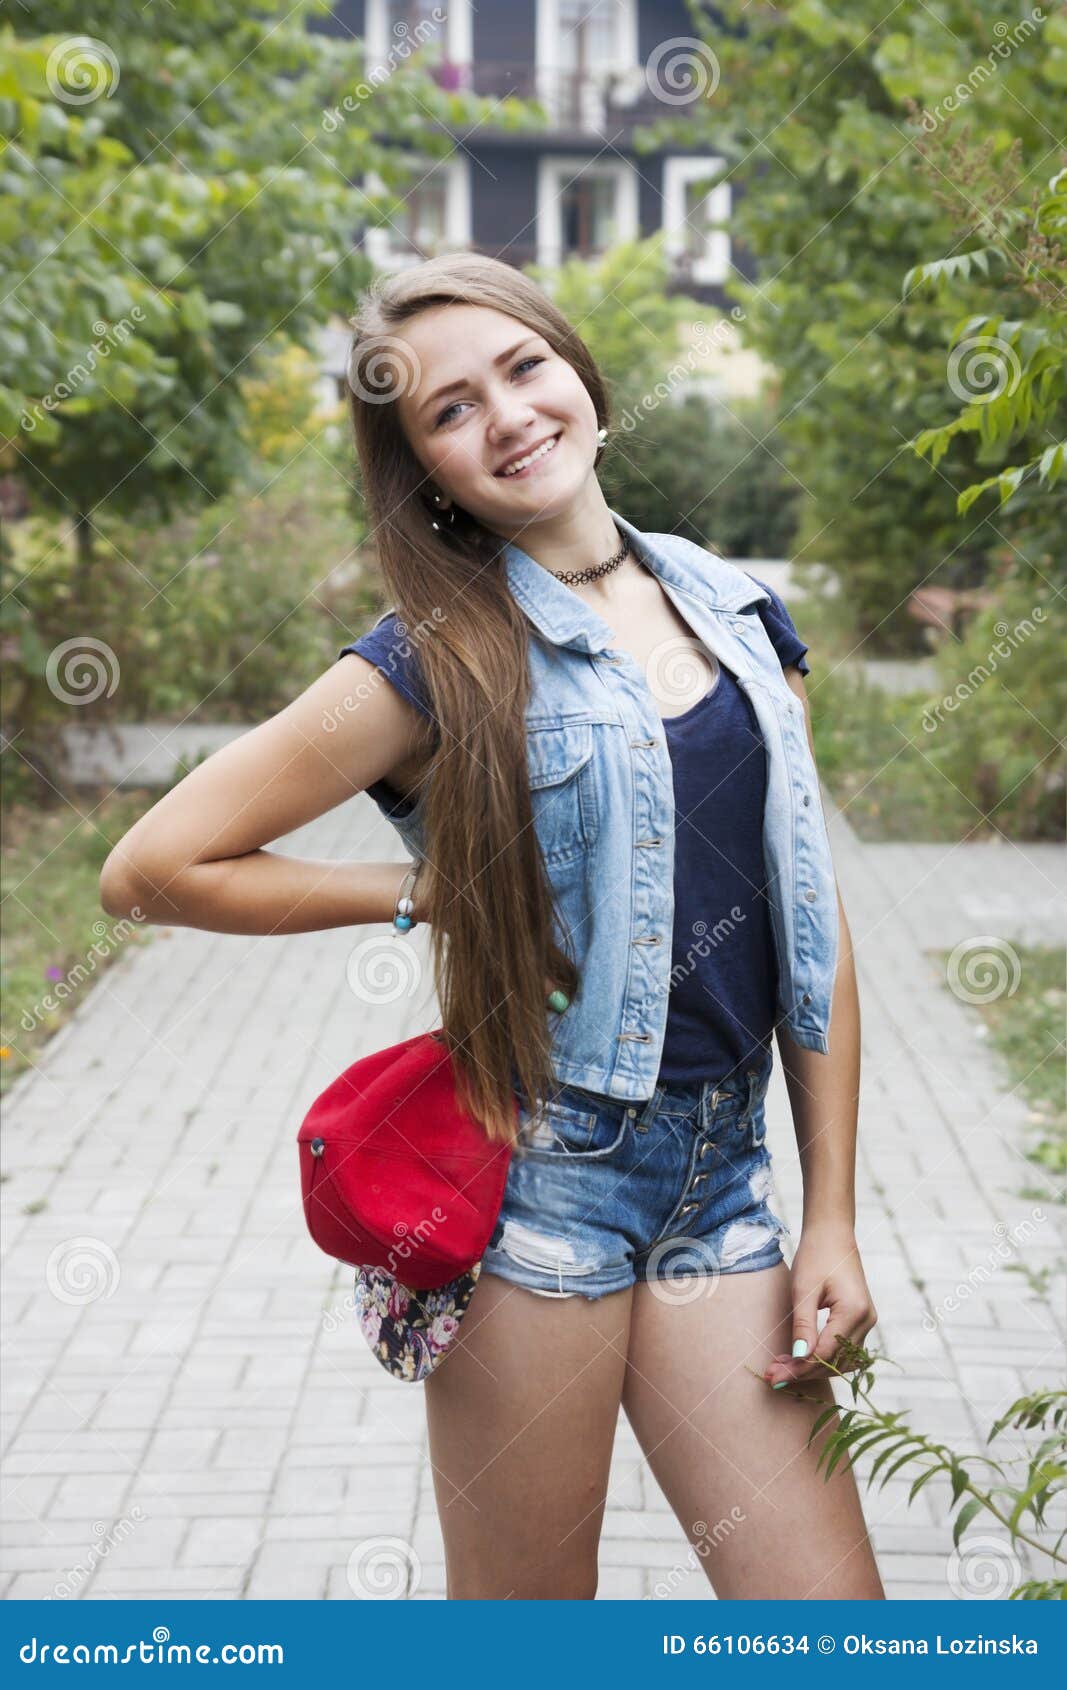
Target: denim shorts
602,1193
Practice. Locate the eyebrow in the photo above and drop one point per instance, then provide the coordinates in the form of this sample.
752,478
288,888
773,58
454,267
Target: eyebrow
455,386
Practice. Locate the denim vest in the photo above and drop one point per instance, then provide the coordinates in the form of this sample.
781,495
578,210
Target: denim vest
602,794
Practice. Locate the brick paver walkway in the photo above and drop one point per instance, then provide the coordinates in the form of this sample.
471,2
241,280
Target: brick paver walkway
210,1423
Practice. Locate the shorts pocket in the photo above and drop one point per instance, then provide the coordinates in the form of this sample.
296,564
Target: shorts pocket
567,1131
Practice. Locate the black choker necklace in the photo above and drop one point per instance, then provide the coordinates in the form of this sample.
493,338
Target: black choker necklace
571,576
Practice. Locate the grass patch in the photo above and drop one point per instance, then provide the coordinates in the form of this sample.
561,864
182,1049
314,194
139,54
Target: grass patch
1025,1029
57,937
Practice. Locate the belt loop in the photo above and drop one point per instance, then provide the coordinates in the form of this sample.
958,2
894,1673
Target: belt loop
651,1108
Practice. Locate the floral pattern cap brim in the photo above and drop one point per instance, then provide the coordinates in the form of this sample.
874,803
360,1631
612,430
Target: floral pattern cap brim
408,1330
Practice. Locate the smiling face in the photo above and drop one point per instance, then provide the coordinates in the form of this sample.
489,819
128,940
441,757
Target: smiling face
506,395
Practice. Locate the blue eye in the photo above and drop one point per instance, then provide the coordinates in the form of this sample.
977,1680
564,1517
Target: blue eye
533,359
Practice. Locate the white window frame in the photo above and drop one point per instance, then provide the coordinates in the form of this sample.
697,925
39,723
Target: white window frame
456,37
714,267
551,168
547,37
378,241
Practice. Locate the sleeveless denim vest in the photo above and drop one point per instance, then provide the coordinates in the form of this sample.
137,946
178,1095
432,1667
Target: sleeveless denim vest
602,794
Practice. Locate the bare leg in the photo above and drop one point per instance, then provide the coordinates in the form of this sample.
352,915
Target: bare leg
522,1414
732,1454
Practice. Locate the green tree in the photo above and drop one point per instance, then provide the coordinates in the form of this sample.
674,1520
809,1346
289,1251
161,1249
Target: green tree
178,185
821,113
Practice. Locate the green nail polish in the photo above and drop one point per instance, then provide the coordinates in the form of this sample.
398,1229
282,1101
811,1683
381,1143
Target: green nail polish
558,1001
779,1385
800,1346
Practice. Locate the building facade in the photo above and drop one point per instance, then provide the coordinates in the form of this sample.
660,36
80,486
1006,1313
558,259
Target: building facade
602,70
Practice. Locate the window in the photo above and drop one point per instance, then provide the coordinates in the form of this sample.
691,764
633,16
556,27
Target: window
578,43
690,208
433,216
390,24
583,208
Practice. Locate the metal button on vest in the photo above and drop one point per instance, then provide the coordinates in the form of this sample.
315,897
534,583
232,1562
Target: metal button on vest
811,894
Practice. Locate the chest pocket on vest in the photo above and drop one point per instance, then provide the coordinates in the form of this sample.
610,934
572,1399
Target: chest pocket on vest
563,789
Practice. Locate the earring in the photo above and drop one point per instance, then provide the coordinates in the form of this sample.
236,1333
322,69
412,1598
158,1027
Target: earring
451,514
602,435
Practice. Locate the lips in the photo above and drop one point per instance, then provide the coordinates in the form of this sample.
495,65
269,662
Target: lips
502,473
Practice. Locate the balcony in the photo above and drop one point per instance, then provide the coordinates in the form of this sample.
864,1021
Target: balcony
577,102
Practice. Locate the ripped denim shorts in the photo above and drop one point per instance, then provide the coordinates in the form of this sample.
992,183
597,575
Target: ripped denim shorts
602,1193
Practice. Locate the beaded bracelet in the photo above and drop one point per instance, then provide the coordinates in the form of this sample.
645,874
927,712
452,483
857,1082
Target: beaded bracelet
404,914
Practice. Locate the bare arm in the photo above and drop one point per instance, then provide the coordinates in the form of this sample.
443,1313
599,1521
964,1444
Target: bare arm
197,858
826,1270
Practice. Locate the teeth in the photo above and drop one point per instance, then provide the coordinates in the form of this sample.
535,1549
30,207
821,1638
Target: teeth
513,469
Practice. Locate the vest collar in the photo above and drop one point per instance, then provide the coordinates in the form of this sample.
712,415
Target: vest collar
565,619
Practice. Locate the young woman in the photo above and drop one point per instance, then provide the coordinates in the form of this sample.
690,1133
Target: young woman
596,744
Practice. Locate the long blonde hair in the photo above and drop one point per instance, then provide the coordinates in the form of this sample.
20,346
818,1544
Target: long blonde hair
485,892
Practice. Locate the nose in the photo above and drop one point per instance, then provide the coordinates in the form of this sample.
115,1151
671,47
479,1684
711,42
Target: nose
509,416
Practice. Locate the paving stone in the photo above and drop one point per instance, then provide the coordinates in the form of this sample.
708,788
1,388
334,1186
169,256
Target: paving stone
223,1386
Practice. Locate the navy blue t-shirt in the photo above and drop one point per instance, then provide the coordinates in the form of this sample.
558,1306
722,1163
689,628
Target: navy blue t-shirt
723,967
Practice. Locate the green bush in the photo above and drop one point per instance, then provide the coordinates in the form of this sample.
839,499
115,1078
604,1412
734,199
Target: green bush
221,614
693,468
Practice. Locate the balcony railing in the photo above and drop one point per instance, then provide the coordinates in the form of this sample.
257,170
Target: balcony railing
586,102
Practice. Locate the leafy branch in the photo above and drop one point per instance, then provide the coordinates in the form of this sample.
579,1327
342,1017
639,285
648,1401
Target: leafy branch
1009,1499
